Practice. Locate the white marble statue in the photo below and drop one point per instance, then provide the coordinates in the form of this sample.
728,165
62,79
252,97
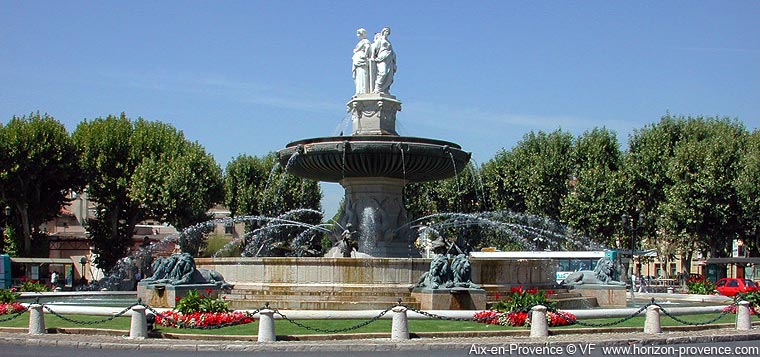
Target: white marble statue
385,62
361,63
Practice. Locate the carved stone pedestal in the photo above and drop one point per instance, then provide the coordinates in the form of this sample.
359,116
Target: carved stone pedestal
606,295
374,114
165,295
450,299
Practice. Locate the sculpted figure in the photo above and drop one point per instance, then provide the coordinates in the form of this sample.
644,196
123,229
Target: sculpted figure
439,275
385,60
179,269
602,275
361,63
347,242
462,272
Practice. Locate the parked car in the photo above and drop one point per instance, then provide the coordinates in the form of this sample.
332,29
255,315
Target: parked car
733,286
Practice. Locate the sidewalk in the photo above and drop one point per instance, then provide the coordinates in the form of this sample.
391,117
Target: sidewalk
449,344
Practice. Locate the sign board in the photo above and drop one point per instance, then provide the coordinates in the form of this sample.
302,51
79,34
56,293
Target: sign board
5,271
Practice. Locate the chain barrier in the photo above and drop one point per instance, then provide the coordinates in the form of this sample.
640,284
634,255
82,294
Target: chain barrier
439,317
182,324
677,319
79,322
321,330
591,324
15,315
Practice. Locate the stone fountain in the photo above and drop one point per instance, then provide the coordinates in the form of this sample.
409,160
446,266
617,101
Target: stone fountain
374,163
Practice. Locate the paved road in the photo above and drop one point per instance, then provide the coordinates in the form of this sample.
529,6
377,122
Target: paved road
735,348
19,344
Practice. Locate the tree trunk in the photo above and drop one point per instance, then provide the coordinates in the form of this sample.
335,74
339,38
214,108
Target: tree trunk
23,211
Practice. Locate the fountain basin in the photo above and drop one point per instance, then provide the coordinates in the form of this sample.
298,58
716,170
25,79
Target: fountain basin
357,283
336,158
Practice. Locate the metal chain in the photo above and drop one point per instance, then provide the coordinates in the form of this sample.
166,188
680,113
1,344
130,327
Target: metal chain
321,330
590,324
15,315
78,322
668,314
182,324
439,317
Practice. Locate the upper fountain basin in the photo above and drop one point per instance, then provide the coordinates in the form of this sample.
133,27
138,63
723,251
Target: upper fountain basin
412,159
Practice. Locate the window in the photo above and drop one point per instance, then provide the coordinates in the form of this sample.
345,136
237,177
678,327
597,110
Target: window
229,228
733,284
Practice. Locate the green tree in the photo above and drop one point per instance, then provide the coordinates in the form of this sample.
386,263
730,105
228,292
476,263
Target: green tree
533,177
597,193
463,193
702,202
38,168
500,176
748,191
646,171
139,170
259,186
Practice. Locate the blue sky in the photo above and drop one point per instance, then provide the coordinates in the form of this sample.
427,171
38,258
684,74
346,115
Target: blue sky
247,77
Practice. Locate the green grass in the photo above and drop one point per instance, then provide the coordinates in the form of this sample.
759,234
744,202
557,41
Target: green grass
283,327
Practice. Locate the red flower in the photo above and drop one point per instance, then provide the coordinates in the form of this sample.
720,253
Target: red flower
209,291
532,291
550,292
518,289
497,296
177,299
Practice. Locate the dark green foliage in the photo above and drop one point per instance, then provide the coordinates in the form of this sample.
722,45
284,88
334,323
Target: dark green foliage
533,176
197,302
38,167
597,192
138,170
260,187
8,296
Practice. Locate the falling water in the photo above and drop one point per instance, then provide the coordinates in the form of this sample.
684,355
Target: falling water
342,127
456,177
367,231
291,160
478,179
527,231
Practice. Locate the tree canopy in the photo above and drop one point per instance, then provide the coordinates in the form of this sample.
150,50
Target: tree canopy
38,167
137,170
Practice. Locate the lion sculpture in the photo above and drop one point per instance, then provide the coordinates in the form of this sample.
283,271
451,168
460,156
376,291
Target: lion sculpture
179,269
601,275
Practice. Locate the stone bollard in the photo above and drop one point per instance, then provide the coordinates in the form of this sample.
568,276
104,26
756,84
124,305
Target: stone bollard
400,325
652,323
538,325
36,320
266,326
139,326
743,316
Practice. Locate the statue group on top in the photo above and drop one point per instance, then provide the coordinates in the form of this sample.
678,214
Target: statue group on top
374,64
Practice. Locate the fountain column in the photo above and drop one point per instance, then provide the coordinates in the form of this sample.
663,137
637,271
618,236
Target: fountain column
374,205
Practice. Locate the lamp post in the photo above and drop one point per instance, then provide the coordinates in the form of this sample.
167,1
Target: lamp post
83,260
5,228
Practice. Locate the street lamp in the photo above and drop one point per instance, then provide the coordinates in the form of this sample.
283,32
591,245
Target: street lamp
83,260
5,229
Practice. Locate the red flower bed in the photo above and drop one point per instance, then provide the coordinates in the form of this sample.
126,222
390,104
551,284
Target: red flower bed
731,309
488,317
202,319
11,308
